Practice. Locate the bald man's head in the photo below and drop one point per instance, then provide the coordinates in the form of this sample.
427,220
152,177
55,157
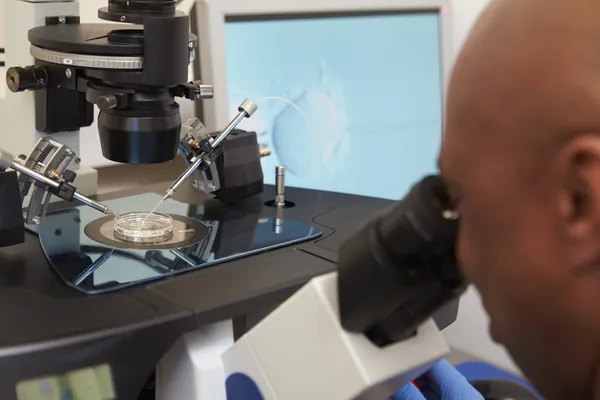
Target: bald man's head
521,156
532,65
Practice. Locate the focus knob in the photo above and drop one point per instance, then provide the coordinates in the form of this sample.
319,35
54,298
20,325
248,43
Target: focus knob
107,102
29,78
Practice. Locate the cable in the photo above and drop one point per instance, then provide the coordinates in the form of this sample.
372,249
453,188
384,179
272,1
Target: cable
289,103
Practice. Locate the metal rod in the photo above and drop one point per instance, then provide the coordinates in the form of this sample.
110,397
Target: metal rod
183,177
35,175
185,258
94,204
54,184
234,122
279,186
93,268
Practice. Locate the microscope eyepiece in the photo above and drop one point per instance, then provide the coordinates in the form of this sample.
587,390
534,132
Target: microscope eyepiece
408,254
417,224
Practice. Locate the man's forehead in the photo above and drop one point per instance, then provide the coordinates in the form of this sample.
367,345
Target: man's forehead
533,55
530,69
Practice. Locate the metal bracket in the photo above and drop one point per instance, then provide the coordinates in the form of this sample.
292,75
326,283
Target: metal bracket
49,158
63,19
194,90
204,250
193,133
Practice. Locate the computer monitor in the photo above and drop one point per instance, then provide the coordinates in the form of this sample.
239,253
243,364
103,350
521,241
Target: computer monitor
362,84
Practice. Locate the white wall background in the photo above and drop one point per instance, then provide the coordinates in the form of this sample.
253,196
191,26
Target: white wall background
2,33
470,332
2,23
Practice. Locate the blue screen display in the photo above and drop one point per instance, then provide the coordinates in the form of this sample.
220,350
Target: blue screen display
364,110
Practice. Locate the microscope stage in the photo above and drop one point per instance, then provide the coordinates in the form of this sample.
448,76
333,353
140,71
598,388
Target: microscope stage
87,256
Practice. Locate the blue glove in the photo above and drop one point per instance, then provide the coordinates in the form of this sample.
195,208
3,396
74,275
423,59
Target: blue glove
442,382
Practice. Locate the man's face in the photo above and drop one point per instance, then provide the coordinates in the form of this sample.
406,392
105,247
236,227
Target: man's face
521,158
512,246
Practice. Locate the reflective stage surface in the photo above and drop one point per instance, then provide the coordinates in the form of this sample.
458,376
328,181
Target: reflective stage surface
93,266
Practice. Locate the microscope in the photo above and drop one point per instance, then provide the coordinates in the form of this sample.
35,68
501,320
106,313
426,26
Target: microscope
364,331
361,332
133,72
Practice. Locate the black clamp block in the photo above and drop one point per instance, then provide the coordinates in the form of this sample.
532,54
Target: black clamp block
12,229
69,176
239,168
65,191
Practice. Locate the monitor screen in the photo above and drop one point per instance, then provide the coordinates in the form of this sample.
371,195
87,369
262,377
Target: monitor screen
349,104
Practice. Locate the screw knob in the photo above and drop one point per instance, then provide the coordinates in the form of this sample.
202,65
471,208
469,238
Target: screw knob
106,102
248,107
205,91
19,79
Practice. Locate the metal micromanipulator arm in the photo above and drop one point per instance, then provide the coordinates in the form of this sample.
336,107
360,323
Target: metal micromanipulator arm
209,147
206,150
45,169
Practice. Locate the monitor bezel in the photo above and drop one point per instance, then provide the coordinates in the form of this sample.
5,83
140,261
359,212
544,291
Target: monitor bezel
212,15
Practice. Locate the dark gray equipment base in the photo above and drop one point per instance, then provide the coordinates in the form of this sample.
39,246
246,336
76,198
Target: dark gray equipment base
49,328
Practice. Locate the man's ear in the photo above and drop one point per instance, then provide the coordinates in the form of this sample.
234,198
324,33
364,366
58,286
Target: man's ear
580,203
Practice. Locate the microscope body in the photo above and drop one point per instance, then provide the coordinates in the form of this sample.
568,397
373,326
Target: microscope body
366,330
360,333
301,351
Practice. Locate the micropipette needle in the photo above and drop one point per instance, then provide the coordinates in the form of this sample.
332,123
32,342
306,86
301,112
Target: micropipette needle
154,209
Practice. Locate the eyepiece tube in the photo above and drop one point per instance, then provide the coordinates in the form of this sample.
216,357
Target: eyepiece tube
416,224
401,267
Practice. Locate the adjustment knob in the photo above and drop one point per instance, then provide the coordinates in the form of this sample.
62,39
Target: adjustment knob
205,91
29,78
248,107
106,102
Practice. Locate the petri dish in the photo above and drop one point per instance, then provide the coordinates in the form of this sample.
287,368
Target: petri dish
134,227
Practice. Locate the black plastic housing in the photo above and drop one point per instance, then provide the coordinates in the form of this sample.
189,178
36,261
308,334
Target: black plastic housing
58,108
400,268
142,7
142,134
12,230
240,171
166,50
